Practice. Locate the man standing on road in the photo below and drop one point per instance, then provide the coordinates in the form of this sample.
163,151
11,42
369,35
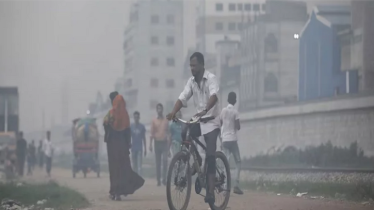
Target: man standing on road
159,134
31,157
48,151
138,142
41,154
229,139
203,87
21,153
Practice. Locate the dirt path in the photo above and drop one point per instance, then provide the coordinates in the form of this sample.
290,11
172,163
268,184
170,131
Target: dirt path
151,197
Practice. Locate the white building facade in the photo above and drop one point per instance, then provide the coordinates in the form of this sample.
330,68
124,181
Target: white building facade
153,51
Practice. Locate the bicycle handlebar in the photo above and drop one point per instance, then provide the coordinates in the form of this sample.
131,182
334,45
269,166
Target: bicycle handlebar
194,120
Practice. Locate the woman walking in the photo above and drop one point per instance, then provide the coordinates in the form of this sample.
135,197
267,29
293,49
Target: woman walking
123,180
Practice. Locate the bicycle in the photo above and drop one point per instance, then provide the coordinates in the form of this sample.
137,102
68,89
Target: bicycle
182,158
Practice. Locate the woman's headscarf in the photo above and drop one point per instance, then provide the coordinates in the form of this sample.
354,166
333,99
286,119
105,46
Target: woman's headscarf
118,118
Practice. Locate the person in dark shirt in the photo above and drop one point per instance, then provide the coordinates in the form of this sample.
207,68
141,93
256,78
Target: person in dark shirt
31,157
21,153
138,144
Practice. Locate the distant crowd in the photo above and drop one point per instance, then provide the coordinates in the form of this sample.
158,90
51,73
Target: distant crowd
41,156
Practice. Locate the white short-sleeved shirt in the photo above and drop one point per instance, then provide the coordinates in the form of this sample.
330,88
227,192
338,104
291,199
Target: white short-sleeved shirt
48,148
228,116
201,93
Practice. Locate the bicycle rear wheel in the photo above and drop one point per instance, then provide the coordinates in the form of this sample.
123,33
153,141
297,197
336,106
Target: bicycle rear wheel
179,182
223,183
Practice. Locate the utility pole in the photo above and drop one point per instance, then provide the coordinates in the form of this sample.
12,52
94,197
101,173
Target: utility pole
6,116
43,120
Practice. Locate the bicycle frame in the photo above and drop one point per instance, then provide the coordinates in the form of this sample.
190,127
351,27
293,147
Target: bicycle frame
191,149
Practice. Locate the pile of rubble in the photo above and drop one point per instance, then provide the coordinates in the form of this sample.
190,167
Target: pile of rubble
8,204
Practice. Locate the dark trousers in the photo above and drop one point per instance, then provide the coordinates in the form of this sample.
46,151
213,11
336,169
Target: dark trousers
161,153
210,142
41,160
20,165
48,164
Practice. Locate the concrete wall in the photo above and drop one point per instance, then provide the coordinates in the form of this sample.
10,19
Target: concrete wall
341,121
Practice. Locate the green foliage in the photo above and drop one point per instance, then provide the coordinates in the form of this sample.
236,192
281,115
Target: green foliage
324,155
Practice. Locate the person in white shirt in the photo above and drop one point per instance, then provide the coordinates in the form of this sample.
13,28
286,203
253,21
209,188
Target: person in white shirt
230,125
48,152
203,88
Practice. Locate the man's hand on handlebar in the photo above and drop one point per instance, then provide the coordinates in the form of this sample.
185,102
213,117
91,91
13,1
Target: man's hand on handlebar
171,116
200,114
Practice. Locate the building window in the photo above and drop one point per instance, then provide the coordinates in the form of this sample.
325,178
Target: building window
154,82
271,43
170,19
263,7
232,7
232,26
154,40
219,7
170,40
154,62
170,83
153,104
240,7
219,26
247,7
154,19
170,61
256,7
270,83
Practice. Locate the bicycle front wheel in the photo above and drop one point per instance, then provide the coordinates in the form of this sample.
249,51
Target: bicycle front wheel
179,182
223,182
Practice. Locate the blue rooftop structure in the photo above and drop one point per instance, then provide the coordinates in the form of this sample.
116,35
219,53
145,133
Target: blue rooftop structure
320,74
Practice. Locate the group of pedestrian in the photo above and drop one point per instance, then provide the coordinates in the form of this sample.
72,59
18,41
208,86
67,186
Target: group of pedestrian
165,138
166,134
28,153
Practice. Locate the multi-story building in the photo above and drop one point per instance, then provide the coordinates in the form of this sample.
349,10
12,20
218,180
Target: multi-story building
269,55
358,45
219,19
153,56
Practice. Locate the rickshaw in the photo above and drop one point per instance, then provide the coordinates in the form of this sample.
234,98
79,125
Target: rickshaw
85,146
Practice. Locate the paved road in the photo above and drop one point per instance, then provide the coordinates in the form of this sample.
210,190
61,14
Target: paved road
151,197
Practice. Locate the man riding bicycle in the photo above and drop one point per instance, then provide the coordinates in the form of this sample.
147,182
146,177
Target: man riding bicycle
203,87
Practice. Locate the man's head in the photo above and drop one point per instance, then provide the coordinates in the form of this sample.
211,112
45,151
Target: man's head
136,116
159,109
197,63
232,98
113,95
49,135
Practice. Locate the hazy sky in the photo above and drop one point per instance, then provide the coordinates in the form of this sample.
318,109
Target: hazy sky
43,42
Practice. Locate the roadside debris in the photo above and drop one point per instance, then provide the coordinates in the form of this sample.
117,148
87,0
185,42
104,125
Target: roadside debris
301,194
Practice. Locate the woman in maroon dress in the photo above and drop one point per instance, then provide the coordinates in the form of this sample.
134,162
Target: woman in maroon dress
123,180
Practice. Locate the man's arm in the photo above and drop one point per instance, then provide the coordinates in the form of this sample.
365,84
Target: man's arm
183,97
144,142
152,136
237,121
